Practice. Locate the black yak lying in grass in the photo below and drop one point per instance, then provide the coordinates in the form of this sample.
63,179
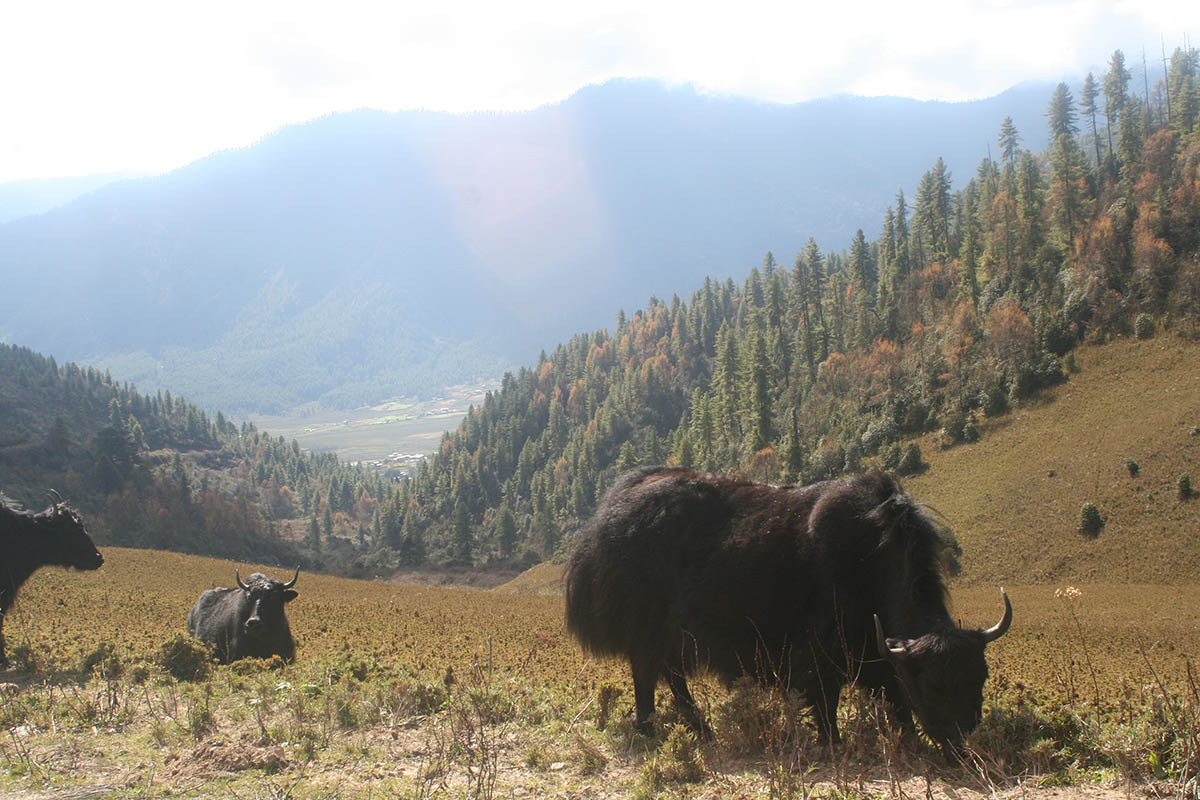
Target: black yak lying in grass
246,622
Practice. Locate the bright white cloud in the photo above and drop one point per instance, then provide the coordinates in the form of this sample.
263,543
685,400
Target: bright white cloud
150,85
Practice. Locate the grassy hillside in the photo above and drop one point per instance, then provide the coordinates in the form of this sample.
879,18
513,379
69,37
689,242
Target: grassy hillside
1014,497
369,708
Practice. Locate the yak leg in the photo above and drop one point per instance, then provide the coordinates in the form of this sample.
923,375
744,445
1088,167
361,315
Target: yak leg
677,680
3,656
822,694
646,672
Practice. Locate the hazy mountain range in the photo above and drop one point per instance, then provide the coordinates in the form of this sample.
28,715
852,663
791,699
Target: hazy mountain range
369,254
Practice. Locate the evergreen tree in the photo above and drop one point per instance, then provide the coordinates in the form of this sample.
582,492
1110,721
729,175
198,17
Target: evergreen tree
314,534
756,391
1061,113
1087,101
1009,140
1068,189
464,539
1116,87
817,287
1184,89
726,385
969,245
862,277
505,533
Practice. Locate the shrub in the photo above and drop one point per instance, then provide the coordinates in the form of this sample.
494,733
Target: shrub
1090,520
678,761
1132,466
952,430
606,699
104,660
910,462
1143,326
971,429
185,658
1058,337
878,434
890,455
994,400
1183,486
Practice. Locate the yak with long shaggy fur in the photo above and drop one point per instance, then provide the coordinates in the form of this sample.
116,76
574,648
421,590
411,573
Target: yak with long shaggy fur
247,621
680,571
52,538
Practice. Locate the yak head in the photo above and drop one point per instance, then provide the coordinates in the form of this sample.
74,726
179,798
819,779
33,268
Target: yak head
64,539
943,673
266,598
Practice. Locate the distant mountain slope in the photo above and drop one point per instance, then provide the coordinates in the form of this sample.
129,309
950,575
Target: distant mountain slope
393,253
24,198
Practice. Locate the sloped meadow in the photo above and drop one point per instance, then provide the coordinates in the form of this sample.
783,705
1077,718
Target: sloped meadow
444,692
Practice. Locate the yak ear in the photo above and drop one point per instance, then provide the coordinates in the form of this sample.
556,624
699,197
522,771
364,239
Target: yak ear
290,595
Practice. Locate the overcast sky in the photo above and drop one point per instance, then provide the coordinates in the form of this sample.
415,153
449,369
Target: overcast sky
93,87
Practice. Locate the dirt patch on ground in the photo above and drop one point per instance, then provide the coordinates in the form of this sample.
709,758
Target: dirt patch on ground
218,756
462,577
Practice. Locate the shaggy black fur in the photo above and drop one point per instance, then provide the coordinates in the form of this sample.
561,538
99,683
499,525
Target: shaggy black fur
680,571
54,537
246,622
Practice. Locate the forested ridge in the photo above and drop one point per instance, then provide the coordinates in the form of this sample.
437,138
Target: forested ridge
155,471
965,303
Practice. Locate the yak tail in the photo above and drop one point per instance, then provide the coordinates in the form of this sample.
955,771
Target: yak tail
600,611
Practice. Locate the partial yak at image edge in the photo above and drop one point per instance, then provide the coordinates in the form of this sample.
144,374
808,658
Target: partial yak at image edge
28,541
680,572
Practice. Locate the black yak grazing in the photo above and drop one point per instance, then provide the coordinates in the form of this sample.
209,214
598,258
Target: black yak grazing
680,571
246,622
55,537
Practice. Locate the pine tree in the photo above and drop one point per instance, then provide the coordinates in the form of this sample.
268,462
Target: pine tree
506,531
1087,101
756,391
1068,189
1009,140
817,284
1183,85
463,536
802,312
969,245
314,534
1116,86
932,215
726,385
1061,113
862,278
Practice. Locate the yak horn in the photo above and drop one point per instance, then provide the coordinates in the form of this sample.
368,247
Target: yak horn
292,582
885,650
1000,628
237,577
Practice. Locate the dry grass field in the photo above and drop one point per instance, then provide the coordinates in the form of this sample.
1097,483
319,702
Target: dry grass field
422,692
